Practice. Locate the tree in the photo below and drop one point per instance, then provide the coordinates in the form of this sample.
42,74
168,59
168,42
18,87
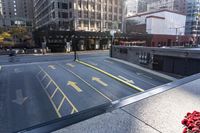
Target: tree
6,39
18,32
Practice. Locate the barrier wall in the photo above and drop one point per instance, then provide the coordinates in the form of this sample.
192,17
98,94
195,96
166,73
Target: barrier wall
180,61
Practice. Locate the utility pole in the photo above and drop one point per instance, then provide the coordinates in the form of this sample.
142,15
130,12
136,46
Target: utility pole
75,18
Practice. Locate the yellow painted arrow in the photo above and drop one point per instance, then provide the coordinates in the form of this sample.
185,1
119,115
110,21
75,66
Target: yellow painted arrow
52,67
71,65
74,85
98,80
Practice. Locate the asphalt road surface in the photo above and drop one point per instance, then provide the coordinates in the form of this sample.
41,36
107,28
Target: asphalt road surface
38,89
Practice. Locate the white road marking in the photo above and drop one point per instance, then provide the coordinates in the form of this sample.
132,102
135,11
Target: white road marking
17,70
127,80
20,99
145,69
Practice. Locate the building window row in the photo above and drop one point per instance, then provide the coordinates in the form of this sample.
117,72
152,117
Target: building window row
65,15
66,6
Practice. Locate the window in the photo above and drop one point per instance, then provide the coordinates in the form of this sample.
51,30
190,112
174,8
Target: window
99,16
98,7
110,8
116,2
80,14
85,14
53,5
64,15
70,5
116,10
64,6
86,24
70,14
110,16
53,14
92,15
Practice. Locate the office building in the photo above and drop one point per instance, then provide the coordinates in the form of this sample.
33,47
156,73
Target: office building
16,12
155,5
193,19
132,7
79,15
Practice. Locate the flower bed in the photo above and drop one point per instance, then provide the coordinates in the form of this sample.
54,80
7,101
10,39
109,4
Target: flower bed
191,122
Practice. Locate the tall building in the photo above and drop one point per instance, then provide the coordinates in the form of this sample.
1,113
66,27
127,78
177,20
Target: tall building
193,19
142,6
79,15
155,5
132,7
16,12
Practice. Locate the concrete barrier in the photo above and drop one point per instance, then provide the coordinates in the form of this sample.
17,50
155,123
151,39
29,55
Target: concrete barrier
179,61
22,51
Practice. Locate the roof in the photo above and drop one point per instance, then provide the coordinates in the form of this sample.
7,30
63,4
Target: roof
155,17
148,13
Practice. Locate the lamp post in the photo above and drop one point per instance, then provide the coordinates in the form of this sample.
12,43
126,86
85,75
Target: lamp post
177,36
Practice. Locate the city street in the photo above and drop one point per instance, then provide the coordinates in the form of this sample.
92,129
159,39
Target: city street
38,89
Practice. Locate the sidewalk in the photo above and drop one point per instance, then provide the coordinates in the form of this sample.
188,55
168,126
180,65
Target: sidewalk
157,113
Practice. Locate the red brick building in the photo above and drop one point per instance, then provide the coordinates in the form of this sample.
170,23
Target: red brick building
170,40
153,40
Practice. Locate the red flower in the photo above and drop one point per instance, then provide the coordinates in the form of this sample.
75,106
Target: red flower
188,114
197,123
194,112
191,126
185,130
184,122
191,122
195,130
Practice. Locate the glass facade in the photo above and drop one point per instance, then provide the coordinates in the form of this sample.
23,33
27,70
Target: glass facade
193,18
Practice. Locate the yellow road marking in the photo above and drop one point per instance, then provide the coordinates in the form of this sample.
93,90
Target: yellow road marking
71,104
127,80
39,73
88,84
98,80
112,76
48,84
71,65
52,67
43,77
73,111
54,106
61,103
74,85
54,93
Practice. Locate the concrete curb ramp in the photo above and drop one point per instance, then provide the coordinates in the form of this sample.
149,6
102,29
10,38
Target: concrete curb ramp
145,69
110,75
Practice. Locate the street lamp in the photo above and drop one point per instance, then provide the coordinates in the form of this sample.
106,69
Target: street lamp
177,28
